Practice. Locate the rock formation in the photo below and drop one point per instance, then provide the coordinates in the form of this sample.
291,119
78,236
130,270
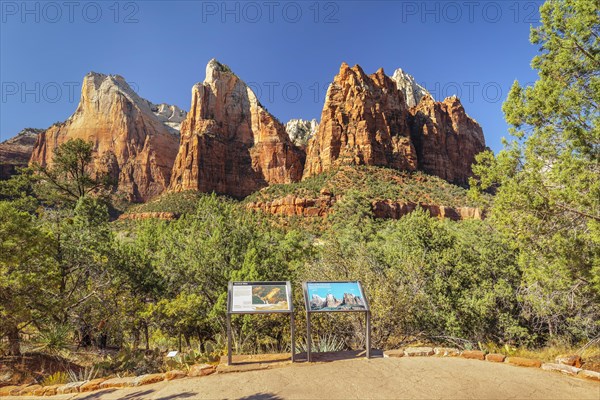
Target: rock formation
171,116
230,144
412,91
364,122
301,131
130,142
15,152
317,302
385,209
331,301
446,139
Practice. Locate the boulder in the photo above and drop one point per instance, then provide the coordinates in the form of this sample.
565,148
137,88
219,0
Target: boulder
148,379
72,387
175,374
201,370
6,390
524,362
573,360
587,374
418,351
495,357
118,382
473,354
92,385
393,353
565,369
446,352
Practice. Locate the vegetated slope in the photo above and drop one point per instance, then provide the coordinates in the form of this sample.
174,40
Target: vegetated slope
375,183
389,193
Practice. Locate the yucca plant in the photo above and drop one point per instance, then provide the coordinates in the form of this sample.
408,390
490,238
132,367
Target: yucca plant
55,339
325,343
86,374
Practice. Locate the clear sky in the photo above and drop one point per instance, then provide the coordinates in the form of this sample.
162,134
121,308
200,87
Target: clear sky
287,51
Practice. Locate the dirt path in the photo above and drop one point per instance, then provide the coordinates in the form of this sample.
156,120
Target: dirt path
383,378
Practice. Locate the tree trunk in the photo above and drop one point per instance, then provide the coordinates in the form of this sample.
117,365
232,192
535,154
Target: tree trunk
14,348
146,336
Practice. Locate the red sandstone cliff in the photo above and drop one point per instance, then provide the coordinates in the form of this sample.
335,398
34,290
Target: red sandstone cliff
229,143
446,139
364,122
130,142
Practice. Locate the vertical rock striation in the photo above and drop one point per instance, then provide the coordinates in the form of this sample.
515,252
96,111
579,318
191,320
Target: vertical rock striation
230,144
130,142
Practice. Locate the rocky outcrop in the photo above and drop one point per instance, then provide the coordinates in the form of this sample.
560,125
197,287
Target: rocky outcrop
168,216
412,91
15,152
230,144
301,131
171,116
130,142
364,122
386,209
446,139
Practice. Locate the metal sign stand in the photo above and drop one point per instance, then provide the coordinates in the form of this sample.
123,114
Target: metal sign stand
309,329
230,313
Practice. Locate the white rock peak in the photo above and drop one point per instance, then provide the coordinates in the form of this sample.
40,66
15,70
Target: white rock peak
301,130
413,92
103,85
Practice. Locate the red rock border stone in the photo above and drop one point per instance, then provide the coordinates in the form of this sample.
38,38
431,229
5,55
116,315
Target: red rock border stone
196,370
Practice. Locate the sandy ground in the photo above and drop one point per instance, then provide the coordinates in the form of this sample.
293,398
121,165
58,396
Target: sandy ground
379,378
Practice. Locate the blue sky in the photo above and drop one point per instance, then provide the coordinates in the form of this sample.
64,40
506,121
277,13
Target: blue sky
287,51
337,289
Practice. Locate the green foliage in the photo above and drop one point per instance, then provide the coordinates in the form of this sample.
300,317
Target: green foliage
54,339
374,183
70,177
548,178
178,203
57,378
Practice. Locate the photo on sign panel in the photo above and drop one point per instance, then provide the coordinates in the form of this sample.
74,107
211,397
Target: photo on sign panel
258,297
335,296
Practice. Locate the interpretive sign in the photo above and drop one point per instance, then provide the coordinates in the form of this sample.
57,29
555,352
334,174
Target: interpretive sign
259,298
335,296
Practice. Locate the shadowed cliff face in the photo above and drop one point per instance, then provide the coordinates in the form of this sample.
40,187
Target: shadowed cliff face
15,152
446,139
229,143
130,142
366,121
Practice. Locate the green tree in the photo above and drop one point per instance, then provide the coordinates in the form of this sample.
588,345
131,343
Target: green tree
25,272
69,177
548,177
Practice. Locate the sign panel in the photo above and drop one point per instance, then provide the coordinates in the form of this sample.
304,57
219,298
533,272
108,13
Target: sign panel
335,296
260,297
